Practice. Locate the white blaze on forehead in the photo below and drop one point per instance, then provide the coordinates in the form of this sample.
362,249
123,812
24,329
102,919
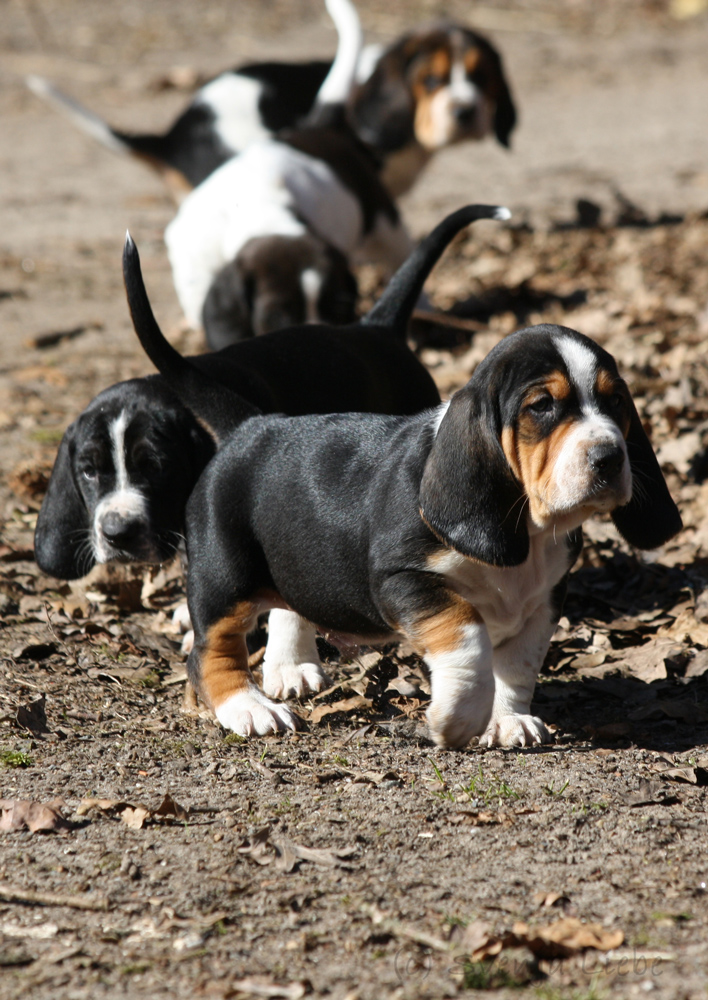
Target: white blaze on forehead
462,90
311,284
582,369
117,433
125,499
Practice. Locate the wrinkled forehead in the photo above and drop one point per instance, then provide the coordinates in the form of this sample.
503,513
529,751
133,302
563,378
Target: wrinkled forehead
589,371
440,50
568,367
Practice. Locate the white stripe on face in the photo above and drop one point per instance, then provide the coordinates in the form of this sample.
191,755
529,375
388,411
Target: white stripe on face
582,369
124,500
311,284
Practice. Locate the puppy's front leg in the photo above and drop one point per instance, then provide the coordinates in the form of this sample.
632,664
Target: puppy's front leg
458,651
218,668
516,665
291,667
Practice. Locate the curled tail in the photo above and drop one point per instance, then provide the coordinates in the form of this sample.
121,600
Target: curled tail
86,120
168,154
394,308
333,96
216,405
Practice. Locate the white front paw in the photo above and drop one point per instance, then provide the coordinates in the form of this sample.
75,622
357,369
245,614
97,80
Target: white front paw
187,644
293,680
515,731
181,617
250,713
453,722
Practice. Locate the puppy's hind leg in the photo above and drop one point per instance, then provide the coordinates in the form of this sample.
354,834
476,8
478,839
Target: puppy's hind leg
218,667
291,667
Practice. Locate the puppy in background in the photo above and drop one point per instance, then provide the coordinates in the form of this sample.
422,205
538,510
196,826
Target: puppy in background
266,240
429,88
432,88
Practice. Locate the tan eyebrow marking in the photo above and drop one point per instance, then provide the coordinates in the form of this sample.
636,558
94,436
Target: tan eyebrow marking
472,60
605,382
557,384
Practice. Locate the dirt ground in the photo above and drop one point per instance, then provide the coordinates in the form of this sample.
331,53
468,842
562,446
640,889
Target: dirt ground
355,860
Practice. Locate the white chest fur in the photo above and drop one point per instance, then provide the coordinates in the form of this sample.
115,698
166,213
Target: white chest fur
506,598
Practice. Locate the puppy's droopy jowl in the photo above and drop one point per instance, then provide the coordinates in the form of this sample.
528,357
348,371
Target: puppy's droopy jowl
455,528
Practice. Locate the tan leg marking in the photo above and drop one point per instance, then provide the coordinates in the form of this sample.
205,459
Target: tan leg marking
224,660
444,631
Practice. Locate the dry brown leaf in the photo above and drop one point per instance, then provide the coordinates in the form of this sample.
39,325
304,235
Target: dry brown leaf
686,628
135,816
566,937
347,705
648,662
33,716
37,817
108,806
255,846
168,807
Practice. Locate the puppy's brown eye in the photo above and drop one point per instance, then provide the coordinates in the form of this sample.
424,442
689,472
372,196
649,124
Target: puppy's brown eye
431,82
616,401
543,404
89,472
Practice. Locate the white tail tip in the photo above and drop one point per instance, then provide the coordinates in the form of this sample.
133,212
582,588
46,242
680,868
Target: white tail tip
502,213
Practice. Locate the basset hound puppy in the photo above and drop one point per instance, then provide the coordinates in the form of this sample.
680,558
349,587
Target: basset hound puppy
429,88
455,528
432,88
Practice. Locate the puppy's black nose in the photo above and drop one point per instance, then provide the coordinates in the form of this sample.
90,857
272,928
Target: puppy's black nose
118,529
465,114
606,460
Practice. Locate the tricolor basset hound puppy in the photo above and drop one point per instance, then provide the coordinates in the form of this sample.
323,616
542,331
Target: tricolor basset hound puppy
455,528
429,88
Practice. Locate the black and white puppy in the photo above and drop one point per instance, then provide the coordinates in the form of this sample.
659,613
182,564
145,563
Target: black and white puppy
429,88
455,528
266,240
127,464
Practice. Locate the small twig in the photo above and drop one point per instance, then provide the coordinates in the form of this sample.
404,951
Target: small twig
13,894
44,340
398,929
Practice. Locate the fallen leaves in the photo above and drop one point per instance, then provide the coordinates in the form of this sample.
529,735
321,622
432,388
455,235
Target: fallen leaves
562,939
37,817
134,816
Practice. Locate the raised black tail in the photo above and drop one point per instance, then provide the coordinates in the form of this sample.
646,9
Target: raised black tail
215,404
394,308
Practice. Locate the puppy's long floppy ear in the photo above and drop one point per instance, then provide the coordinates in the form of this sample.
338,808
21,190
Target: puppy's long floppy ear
468,494
382,109
505,113
651,517
61,546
